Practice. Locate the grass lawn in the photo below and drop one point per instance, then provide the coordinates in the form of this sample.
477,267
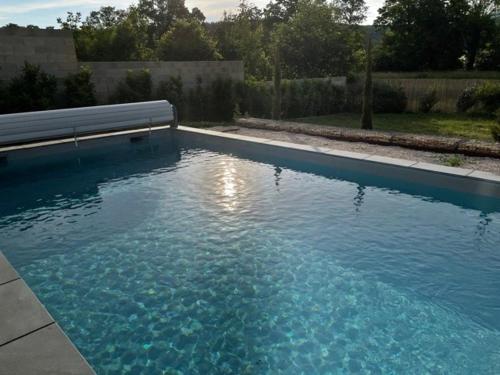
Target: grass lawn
444,124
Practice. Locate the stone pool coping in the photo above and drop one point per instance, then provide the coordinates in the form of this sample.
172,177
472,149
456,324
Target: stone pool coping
412,164
31,342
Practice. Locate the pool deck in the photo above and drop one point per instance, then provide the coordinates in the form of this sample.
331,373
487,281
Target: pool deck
31,342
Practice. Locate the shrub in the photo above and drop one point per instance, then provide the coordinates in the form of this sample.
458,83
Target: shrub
254,98
222,103
495,129
32,90
136,87
197,103
303,98
172,90
466,100
428,101
79,91
215,102
386,98
488,95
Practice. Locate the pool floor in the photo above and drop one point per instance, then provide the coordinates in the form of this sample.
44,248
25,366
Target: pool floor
193,261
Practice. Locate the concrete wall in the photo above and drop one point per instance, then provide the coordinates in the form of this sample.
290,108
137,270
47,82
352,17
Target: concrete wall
106,75
53,50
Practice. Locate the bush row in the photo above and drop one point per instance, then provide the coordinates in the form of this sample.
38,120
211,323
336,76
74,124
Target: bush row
481,98
218,100
35,90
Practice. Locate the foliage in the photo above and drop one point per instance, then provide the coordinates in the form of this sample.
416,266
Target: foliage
79,91
467,99
433,35
351,12
453,160
162,14
314,44
214,102
495,129
187,40
222,103
307,97
32,90
488,96
254,98
172,90
367,106
280,11
417,36
136,87
108,35
428,101
485,97
386,98
241,36
197,103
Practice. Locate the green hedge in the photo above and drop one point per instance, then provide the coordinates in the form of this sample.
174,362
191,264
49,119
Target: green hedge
31,90
386,98
35,90
299,98
79,91
137,86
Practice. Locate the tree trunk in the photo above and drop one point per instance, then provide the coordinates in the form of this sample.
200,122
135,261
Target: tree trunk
277,85
367,117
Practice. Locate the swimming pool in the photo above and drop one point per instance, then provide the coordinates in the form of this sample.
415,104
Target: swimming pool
185,254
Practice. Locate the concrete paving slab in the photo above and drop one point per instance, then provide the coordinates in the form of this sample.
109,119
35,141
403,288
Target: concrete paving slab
45,352
20,311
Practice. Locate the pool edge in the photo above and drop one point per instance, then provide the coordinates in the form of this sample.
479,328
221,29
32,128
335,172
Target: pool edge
373,158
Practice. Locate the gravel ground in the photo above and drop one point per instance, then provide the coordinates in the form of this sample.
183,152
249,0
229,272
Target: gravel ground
470,162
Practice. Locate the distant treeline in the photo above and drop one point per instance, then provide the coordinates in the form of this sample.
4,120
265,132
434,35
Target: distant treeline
314,38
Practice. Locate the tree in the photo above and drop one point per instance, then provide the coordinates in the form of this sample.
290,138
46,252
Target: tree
241,36
277,84
479,29
351,12
434,35
109,35
187,40
105,17
367,116
314,44
279,11
418,35
162,14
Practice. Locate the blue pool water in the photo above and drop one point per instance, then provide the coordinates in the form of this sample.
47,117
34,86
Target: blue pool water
187,260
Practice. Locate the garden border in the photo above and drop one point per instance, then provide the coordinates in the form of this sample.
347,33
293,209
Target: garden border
407,140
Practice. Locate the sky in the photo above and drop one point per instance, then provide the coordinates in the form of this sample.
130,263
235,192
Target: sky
44,13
